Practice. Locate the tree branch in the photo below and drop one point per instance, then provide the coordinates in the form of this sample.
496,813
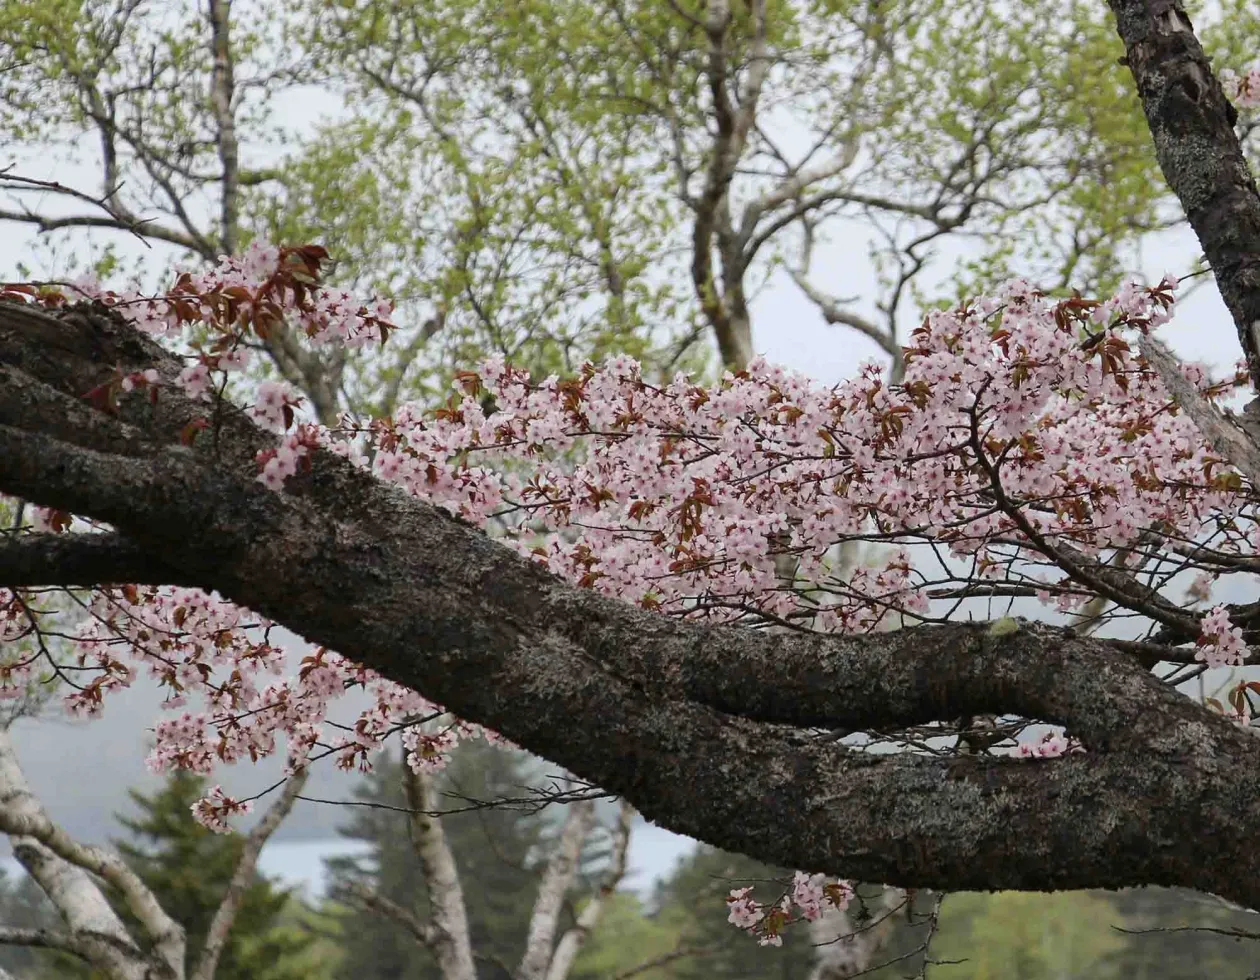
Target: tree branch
572,941
1226,438
82,559
1192,125
450,938
556,881
94,927
243,877
43,938
22,816
424,932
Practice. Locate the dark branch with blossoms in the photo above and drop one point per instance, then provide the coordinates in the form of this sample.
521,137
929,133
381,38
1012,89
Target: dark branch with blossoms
593,568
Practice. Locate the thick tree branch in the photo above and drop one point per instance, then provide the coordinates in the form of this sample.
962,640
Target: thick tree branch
222,92
1192,124
734,114
83,559
94,927
43,938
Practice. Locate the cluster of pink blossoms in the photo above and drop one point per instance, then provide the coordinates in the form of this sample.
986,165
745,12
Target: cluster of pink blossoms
266,285
1049,746
1220,642
195,644
1243,90
811,894
1023,427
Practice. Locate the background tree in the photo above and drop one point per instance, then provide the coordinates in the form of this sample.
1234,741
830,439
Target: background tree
145,940
25,906
1017,935
510,878
493,847
188,869
560,181
702,146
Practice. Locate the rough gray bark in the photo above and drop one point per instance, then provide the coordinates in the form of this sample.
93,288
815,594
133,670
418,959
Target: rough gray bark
1192,125
699,727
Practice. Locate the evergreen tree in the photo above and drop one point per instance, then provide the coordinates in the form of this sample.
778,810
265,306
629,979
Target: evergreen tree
497,850
188,869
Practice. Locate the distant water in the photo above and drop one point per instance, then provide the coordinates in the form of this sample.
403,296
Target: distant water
300,864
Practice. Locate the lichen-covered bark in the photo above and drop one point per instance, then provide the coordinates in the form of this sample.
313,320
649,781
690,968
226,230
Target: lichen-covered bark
702,728
1192,125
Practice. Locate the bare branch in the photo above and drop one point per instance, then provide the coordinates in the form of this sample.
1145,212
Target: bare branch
556,881
22,816
243,877
424,932
664,959
573,939
792,188
115,216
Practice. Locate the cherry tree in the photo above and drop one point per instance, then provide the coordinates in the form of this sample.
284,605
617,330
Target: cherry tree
629,619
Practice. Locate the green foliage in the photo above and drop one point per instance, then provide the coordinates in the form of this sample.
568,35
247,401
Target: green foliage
1015,934
524,177
1152,954
627,937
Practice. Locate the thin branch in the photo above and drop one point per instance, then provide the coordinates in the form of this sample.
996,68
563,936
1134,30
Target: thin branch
243,877
556,881
424,932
